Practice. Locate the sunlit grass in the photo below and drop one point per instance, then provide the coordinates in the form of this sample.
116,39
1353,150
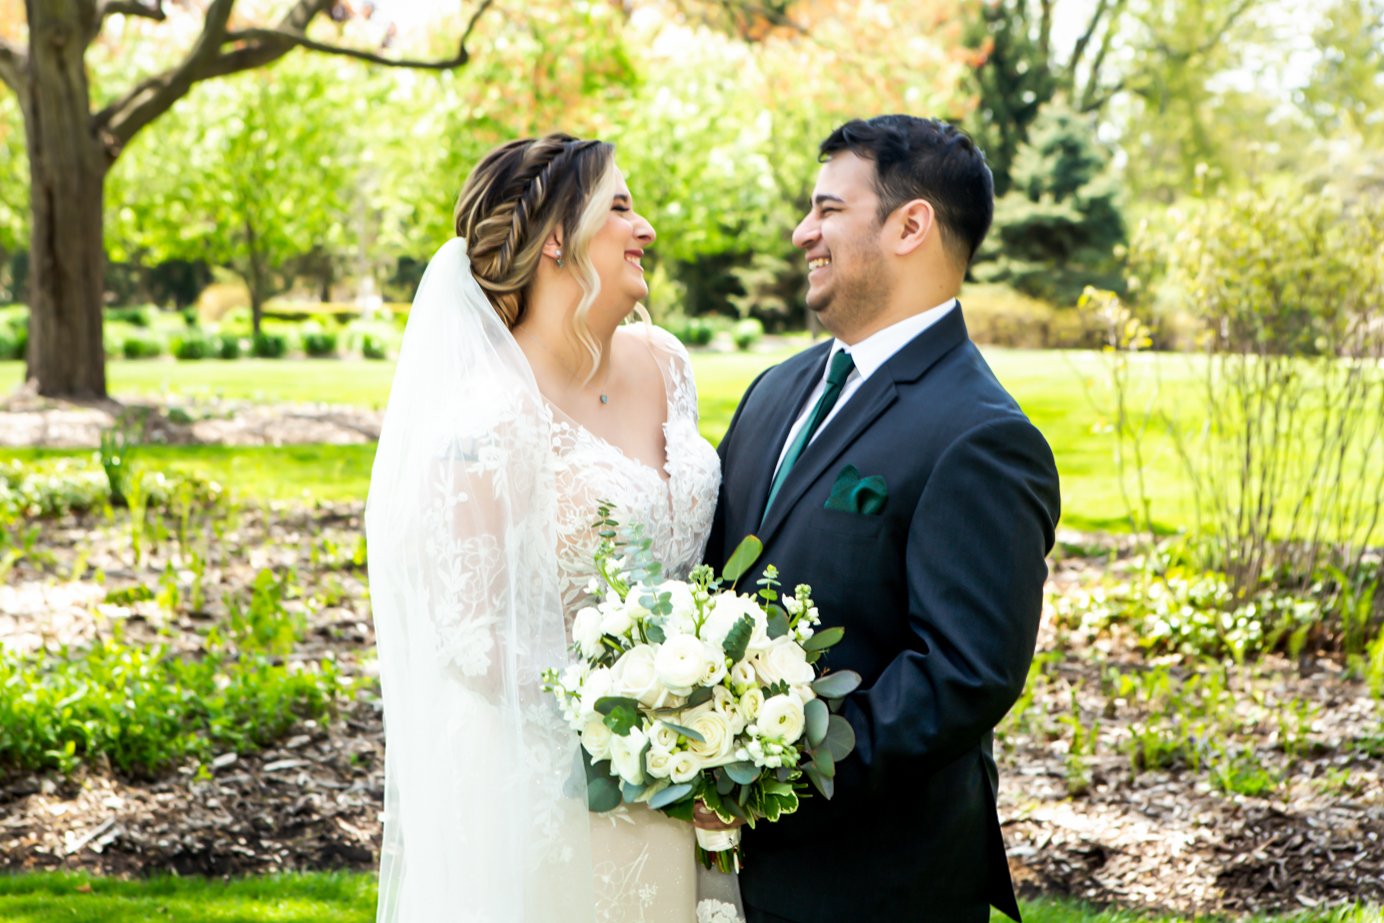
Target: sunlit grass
343,897
1065,393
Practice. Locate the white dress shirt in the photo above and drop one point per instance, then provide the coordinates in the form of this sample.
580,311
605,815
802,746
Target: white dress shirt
869,354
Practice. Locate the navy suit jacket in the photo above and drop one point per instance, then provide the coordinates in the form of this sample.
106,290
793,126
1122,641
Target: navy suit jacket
940,595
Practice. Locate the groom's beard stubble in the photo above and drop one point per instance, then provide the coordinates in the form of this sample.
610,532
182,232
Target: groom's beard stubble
856,294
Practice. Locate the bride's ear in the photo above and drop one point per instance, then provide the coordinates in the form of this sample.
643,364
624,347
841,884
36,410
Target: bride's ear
552,247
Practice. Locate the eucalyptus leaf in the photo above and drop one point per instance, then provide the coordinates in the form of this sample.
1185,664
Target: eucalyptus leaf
654,632
621,714
823,763
840,739
816,714
743,558
603,794
738,638
632,792
685,731
778,622
743,772
669,795
836,684
824,638
724,783
820,782
700,695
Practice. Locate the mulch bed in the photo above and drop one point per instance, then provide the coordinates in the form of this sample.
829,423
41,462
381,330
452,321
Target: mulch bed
1156,840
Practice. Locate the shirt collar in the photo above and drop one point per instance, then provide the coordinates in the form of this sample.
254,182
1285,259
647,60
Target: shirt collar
879,347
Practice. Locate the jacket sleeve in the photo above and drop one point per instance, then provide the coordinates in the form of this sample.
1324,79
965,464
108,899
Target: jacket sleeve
975,558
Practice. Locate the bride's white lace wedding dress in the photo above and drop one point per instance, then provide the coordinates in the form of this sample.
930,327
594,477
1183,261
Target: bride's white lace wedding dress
479,531
642,861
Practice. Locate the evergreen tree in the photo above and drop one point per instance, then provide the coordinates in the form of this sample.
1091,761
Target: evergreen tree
1058,227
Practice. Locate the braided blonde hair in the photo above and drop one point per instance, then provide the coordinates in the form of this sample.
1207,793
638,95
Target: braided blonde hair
513,201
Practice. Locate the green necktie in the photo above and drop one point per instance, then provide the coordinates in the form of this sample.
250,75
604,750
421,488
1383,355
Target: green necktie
841,365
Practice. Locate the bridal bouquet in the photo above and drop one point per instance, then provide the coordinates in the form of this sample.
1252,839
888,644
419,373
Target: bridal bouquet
689,691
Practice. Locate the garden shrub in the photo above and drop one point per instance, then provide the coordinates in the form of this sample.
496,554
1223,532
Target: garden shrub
228,346
9,344
319,345
694,331
193,345
269,345
142,316
372,346
142,346
746,333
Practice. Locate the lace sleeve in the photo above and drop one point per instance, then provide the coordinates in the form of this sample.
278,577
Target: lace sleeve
677,374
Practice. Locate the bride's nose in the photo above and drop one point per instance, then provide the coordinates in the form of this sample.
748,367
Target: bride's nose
644,231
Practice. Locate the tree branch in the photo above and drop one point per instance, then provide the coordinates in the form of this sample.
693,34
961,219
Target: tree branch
150,10
13,62
280,38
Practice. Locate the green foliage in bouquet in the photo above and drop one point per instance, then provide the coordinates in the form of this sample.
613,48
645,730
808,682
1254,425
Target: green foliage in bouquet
688,692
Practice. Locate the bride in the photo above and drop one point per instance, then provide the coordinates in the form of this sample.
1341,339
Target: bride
521,402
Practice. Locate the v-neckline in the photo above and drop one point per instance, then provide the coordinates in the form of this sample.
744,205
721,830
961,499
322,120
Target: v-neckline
663,473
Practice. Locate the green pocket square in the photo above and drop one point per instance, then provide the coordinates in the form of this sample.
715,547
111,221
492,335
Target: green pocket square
854,494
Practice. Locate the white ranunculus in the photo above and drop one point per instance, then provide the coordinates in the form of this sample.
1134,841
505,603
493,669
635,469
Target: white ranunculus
725,704
727,609
662,737
586,631
597,686
681,663
751,701
783,660
596,738
715,665
634,675
659,762
718,739
624,756
742,675
684,767
682,620
617,617
781,718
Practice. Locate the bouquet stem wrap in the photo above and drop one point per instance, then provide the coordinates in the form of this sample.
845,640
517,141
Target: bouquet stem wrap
718,840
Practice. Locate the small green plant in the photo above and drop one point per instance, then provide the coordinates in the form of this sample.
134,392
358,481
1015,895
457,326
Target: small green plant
193,345
319,345
372,346
746,333
142,346
695,331
228,346
269,345
118,449
1241,772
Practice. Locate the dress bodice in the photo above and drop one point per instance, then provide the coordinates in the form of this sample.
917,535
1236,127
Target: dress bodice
674,505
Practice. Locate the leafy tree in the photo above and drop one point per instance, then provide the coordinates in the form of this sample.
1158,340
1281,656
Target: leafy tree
1345,95
71,144
1057,229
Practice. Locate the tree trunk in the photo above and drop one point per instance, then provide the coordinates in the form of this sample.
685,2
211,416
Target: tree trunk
67,168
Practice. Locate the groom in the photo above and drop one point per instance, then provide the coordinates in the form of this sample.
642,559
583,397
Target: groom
892,472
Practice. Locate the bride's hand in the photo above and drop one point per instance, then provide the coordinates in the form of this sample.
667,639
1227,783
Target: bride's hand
706,819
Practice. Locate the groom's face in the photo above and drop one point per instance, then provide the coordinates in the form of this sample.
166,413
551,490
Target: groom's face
841,237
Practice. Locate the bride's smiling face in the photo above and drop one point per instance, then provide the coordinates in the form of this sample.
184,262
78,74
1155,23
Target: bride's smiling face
617,252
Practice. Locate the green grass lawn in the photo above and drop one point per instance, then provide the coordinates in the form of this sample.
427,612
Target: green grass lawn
350,898
1065,393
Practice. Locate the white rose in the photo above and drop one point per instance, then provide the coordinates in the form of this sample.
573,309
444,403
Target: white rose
781,718
634,675
624,756
681,663
718,739
783,660
596,738
726,706
586,631
660,763
597,686
684,767
751,701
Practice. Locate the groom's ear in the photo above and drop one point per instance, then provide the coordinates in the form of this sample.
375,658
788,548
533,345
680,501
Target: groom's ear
915,220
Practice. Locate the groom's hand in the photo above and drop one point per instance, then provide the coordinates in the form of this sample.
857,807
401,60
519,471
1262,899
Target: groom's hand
707,819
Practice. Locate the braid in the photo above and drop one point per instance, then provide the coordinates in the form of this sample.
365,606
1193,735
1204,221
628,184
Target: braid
504,214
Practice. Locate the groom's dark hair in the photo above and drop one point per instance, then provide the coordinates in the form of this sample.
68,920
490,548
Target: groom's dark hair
925,159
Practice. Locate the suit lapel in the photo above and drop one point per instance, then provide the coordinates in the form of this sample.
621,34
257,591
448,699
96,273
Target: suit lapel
865,406
785,410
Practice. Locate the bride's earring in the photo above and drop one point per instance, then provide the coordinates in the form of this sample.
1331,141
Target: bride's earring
557,257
